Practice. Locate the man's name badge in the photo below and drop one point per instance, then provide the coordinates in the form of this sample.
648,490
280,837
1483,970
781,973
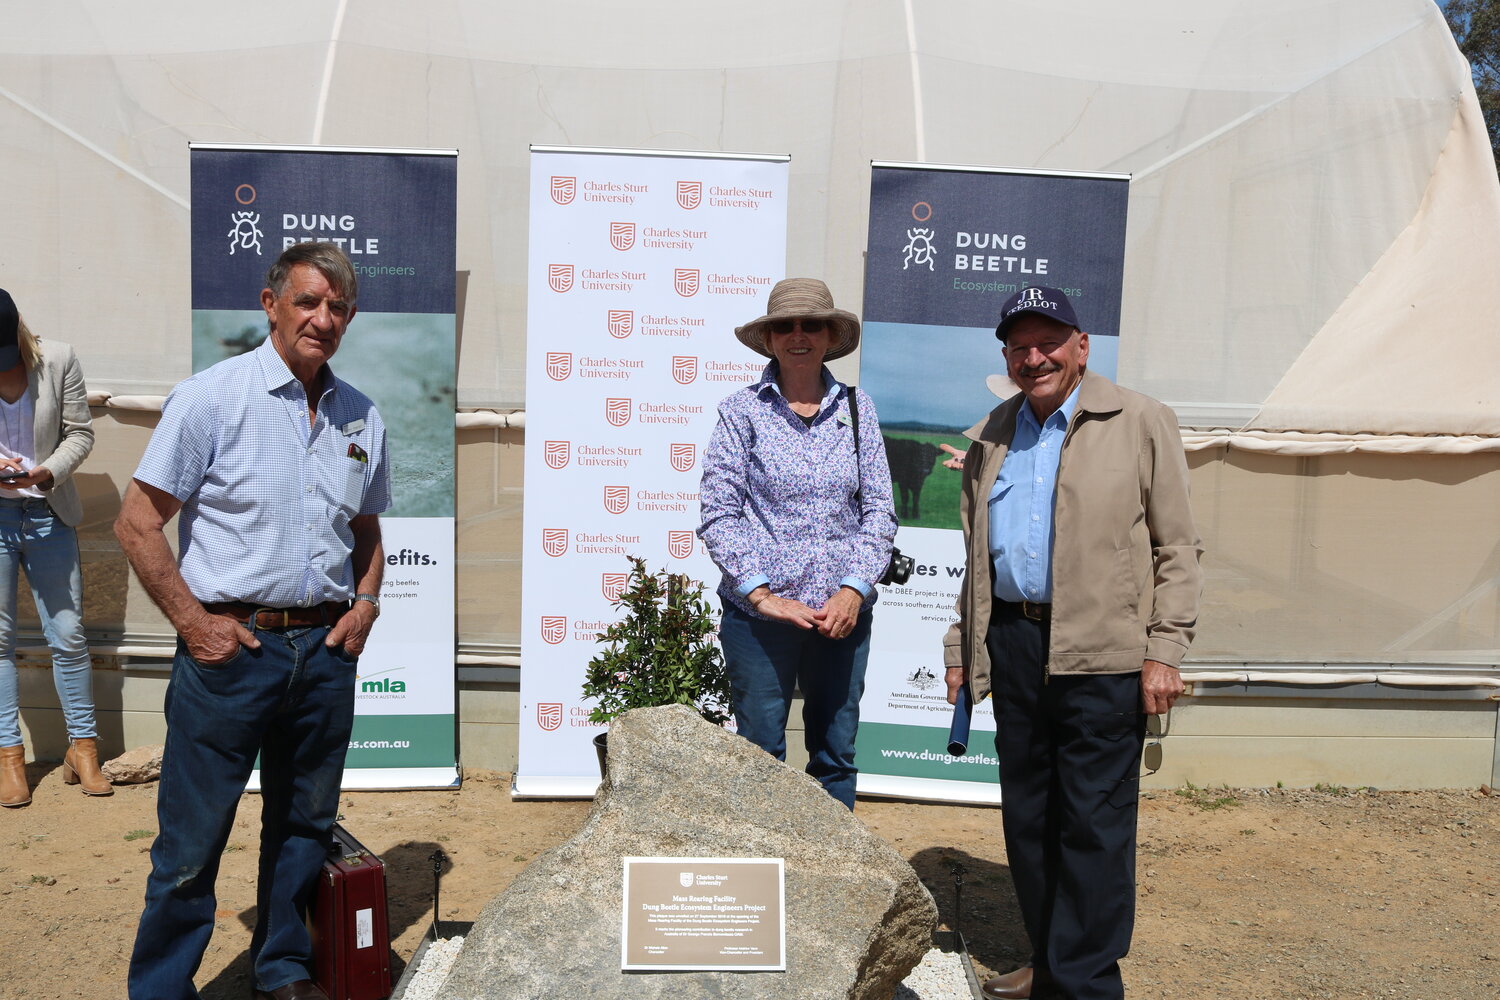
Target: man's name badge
353,427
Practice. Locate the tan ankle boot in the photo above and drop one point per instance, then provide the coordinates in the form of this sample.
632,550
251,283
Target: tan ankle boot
81,766
13,788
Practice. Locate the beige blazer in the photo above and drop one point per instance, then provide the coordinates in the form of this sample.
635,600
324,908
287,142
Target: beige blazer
63,434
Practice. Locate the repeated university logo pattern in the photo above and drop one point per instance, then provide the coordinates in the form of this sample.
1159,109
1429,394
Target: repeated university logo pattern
555,541
620,322
556,454
689,194
622,235
563,189
612,584
617,411
559,365
560,277
679,544
683,456
616,499
684,369
554,629
685,281
549,715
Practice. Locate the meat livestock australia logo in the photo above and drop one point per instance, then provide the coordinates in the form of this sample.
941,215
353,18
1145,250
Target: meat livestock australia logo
617,411
616,499
622,235
689,194
549,713
554,628
556,454
554,541
563,189
611,585
683,456
621,323
684,369
559,365
679,544
560,277
685,281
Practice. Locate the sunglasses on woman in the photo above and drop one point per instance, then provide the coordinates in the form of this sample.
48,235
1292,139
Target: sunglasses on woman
788,325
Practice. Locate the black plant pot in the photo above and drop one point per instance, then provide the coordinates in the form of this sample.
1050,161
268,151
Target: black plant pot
601,747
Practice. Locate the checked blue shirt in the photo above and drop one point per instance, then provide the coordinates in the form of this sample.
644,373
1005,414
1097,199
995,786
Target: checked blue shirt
266,496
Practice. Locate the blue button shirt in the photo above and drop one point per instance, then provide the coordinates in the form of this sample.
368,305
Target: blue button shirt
266,496
1021,504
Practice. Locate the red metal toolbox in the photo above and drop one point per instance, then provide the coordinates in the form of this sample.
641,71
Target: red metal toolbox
350,932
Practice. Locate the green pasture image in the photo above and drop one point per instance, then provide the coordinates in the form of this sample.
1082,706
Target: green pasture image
926,492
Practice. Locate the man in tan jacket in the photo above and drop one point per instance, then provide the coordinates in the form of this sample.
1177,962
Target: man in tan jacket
1079,600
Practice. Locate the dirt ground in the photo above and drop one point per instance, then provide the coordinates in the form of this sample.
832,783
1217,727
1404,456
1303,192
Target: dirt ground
1331,893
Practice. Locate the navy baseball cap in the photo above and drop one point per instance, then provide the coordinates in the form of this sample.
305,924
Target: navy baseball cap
1049,302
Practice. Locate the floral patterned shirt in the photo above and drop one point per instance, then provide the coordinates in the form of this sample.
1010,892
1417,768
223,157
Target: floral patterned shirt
778,496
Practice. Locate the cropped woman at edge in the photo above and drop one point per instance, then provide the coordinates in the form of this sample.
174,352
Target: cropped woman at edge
45,432
801,530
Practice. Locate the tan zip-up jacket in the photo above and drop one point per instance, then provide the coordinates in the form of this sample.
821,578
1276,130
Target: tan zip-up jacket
1125,572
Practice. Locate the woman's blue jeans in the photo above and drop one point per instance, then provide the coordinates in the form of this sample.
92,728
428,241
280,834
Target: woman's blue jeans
767,661
33,537
292,702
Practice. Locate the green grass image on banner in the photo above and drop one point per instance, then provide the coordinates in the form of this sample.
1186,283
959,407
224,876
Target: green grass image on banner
937,500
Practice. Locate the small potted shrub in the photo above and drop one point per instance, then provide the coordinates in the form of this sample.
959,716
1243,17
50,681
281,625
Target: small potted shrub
660,652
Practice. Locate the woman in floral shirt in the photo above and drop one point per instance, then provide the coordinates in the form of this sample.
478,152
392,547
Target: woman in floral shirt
801,530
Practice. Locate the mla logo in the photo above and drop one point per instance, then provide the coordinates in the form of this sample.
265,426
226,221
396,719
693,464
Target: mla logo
684,369
683,456
554,541
919,248
559,365
679,544
549,713
554,629
617,411
556,454
560,277
622,235
621,323
563,189
685,281
612,584
246,233
689,194
616,499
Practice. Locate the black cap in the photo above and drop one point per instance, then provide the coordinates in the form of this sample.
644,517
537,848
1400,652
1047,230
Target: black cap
10,321
1049,302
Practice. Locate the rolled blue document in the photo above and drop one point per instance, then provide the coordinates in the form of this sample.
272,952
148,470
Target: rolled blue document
958,730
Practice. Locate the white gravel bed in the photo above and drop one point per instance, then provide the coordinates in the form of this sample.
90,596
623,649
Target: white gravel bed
939,976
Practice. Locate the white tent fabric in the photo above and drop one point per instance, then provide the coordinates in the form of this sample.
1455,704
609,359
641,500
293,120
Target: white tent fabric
1305,171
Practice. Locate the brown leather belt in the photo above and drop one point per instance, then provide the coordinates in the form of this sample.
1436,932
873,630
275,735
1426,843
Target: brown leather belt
257,616
1024,609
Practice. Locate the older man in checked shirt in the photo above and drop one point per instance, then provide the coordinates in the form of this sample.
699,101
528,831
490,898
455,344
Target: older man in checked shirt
278,469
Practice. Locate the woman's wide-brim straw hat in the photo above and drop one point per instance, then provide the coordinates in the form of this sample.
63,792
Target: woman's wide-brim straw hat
803,298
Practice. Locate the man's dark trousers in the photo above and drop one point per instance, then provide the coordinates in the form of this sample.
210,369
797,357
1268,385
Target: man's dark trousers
1069,748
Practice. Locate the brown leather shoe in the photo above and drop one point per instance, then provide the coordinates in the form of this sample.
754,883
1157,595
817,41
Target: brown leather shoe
302,989
81,766
14,791
1015,985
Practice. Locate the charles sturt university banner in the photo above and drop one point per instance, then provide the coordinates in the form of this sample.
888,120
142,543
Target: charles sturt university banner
393,212
947,246
641,266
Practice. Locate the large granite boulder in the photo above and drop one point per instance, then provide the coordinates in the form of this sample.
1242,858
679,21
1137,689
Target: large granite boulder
857,918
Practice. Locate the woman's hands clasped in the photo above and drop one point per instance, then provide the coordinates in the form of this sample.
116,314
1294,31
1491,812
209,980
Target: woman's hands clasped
835,619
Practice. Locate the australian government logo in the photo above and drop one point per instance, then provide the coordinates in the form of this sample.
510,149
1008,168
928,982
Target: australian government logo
620,323
549,713
555,541
922,678
556,454
622,235
559,365
689,194
564,189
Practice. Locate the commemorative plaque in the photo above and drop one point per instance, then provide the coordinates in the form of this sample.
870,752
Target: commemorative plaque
725,914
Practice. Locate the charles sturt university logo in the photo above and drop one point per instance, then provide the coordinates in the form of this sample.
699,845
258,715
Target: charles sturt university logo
554,541
563,189
611,584
559,365
621,323
684,369
689,194
685,879
685,281
556,454
549,713
554,629
560,277
617,411
683,456
616,499
622,235
679,544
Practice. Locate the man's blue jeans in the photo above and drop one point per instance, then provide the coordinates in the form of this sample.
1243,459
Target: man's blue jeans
33,537
292,702
768,660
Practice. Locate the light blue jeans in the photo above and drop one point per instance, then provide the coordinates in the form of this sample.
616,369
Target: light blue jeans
33,537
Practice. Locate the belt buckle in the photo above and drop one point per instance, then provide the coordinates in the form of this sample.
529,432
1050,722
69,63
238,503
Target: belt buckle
283,612
1031,611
